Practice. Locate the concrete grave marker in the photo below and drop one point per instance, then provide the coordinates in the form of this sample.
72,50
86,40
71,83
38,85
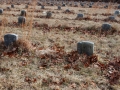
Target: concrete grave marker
85,47
12,6
10,38
106,27
23,13
79,16
1,11
21,20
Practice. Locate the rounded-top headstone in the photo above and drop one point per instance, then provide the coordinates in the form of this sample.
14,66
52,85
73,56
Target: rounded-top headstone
8,8
106,26
117,12
59,7
10,38
23,13
26,6
42,7
106,6
111,18
119,7
12,6
85,47
80,16
1,11
67,10
63,5
49,14
21,20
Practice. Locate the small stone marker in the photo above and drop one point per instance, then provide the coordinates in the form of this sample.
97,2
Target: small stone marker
10,38
21,20
111,17
106,26
23,13
26,6
42,7
117,12
63,5
119,7
59,7
1,11
85,47
79,16
49,14
12,6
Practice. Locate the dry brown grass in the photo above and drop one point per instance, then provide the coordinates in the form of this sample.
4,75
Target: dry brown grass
29,69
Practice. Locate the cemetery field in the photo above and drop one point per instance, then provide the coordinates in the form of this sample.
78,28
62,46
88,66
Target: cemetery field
45,55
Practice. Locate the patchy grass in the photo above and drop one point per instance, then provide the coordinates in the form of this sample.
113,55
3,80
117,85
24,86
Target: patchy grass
45,58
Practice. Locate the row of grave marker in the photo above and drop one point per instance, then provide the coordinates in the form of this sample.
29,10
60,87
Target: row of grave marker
83,47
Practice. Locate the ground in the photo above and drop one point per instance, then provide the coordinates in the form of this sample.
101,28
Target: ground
50,41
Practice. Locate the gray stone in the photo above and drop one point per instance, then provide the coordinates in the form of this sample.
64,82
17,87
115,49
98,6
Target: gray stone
106,6
67,11
85,47
63,5
8,8
42,7
10,38
111,17
119,7
117,12
79,16
26,6
52,4
49,14
106,26
23,13
12,6
21,20
59,7
1,11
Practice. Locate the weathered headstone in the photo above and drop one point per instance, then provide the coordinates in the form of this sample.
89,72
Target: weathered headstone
111,18
23,13
59,7
67,11
12,6
63,5
117,12
85,47
42,7
21,20
106,27
119,7
1,11
10,38
106,6
49,14
26,6
8,8
80,16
